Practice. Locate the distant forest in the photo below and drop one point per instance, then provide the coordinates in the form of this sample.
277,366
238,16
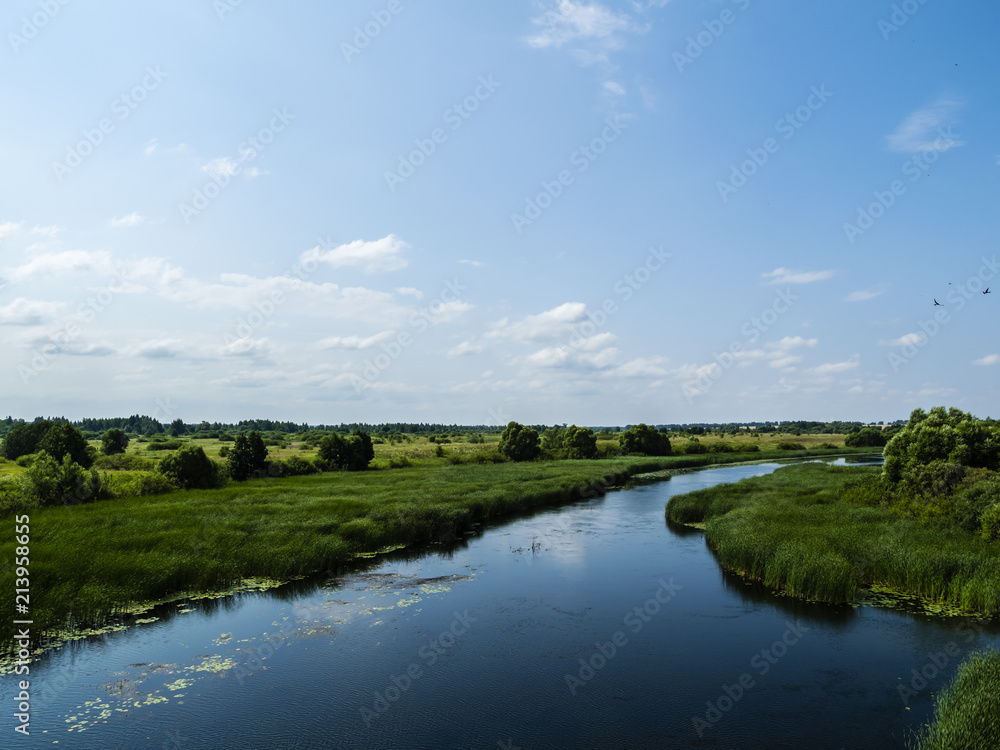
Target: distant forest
141,425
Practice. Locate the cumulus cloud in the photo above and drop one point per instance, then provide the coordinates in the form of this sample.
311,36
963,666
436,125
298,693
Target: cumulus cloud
354,342
50,264
24,312
908,339
8,228
371,257
988,360
555,323
863,295
835,368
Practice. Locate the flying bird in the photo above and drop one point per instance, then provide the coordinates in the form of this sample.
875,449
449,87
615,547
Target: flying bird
987,290
937,304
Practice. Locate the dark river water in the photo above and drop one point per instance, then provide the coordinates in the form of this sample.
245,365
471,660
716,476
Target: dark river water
592,625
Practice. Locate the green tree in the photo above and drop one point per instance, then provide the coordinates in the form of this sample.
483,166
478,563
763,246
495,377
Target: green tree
241,464
177,428
114,441
580,442
949,435
519,443
258,452
643,439
63,439
24,438
352,454
191,469
552,441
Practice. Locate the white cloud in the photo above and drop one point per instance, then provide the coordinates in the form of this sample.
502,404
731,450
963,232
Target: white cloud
46,231
785,363
474,263
469,346
927,129
8,228
159,349
555,323
988,360
371,257
409,290
863,295
909,339
614,88
354,342
53,263
786,276
23,312
222,166
570,22
150,147
642,367
793,342
835,368
246,347
132,220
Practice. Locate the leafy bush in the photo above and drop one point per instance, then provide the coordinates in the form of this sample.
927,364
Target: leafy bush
114,441
138,485
519,443
224,451
51,482
125,462
644,440
721,447
247,456
695,446
165,445
402,462
295,466
991,523
27,460
949,435
352,454
579,442
866,437
752,448
786,446
191,469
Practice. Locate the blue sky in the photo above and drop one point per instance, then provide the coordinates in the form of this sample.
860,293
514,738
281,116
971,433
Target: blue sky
550,211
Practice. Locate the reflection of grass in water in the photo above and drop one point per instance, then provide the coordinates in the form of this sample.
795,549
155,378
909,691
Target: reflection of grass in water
967,714
792,531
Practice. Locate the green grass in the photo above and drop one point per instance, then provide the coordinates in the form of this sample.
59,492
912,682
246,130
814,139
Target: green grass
967,714
89,562
793,531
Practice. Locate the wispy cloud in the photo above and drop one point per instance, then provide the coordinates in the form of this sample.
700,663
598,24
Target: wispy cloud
132,220
354,342
555,323
988,360
927,129
371,257
863,295
569,22
8,228
786,276
909,339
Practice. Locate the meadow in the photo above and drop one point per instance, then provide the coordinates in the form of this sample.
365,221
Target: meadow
94,561
796,531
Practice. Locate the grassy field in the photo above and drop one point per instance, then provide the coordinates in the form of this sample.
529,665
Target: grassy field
967,714
92,561
792,531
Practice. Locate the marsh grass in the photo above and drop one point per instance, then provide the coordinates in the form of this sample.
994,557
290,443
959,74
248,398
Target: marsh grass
93,561
793,531
967,713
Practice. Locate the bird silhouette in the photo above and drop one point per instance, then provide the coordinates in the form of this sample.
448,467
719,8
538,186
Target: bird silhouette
937,304
987,290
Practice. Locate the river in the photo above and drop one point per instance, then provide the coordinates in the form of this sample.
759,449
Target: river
592,625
